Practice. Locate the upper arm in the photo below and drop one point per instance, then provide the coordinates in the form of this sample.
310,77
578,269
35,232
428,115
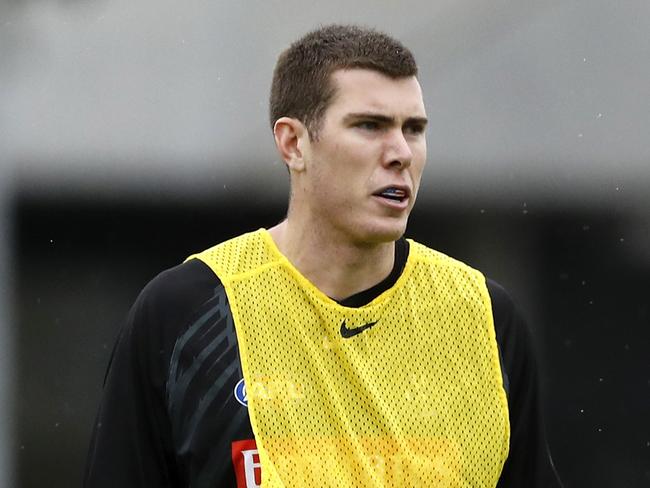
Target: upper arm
529,462
130,444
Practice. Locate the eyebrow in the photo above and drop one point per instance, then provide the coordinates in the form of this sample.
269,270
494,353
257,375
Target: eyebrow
384,119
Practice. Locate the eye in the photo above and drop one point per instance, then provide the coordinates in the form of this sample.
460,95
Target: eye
414,129
369,125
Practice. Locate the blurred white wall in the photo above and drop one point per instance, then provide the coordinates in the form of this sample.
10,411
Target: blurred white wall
546,99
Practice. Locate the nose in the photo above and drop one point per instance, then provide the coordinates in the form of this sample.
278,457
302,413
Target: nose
398,153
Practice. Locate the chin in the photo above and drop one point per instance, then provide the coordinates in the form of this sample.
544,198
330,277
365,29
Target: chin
383,232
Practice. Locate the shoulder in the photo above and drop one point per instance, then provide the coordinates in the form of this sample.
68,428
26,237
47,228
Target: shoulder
447,270
423,253
240,255
169,300
503,306
510,325
163,311
180,284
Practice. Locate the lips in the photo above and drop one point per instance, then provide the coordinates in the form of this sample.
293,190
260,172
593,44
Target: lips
393,193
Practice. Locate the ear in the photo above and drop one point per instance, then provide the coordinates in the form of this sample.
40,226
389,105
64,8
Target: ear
290,135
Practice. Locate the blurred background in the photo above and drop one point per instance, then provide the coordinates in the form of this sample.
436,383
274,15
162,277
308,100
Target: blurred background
133,134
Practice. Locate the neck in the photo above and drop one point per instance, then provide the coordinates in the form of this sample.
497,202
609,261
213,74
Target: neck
337,268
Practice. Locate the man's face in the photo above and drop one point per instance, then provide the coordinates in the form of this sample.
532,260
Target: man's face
363,169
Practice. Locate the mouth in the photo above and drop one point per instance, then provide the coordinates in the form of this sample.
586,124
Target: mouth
397,194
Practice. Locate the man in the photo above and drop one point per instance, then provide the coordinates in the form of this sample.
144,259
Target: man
327,350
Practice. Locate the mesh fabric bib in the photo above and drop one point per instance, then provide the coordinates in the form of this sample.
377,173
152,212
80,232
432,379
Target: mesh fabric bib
412,396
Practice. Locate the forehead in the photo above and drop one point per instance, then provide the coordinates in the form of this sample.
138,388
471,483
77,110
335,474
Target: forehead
364,90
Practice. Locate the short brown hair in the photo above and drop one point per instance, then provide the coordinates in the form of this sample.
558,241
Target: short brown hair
301,86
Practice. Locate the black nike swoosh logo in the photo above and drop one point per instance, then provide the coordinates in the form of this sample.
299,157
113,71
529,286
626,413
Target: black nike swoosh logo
347,333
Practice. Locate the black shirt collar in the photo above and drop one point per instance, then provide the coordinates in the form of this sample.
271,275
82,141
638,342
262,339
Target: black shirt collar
364,297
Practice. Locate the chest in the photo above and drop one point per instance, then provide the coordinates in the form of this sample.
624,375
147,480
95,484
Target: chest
364,392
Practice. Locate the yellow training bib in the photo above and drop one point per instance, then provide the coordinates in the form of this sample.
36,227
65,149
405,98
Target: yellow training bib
405,391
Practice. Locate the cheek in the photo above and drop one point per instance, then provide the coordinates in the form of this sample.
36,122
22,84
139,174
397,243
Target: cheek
346,169
347,165
420,151
419,169
416,175
419,161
